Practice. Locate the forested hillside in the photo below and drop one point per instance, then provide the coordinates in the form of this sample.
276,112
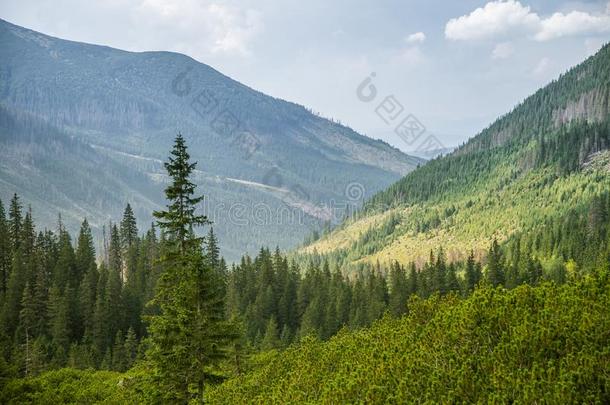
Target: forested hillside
61,309
542,163
163,308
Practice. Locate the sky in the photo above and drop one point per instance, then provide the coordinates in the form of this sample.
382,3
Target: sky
453,65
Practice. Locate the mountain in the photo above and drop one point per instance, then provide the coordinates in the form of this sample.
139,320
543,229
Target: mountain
532,175
85,129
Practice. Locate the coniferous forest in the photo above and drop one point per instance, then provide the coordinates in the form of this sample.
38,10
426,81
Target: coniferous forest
164,300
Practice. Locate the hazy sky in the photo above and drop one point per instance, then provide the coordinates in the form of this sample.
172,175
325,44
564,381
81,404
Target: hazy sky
455,65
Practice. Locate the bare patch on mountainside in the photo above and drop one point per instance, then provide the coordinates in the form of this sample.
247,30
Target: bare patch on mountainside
597,161
591,106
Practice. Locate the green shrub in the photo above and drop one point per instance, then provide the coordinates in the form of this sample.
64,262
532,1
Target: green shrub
549,343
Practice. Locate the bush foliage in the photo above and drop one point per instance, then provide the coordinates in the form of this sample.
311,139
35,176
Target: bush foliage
548,342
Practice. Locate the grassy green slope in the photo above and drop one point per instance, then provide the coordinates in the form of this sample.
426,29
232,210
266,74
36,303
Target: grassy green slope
538,161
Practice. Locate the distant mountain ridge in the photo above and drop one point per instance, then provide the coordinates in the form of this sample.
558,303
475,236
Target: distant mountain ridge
127,107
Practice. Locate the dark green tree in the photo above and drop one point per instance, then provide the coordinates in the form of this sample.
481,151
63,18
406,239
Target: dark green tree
5,252
495,265
472,273
212,251
271,339
190,335
15,222
131,348
59,324
129,228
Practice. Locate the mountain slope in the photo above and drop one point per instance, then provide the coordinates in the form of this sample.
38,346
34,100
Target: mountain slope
39,161
252,149
539,162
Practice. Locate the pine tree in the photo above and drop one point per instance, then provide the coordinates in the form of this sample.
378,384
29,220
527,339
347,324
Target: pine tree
472,274
129,255
180,218
5,252
412,281
113,303
212,251
65,267
15,222
131,348
85,252
310,323
452,283
59,326
115,260
12,301
190,335
40,297
129,229
99,333
28,234
271,339
86,299
495,265
119,362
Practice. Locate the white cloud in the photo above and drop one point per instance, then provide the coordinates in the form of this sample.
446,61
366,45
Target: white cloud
234,30
576,22
202,27
495,19
415,38
503,50
501,18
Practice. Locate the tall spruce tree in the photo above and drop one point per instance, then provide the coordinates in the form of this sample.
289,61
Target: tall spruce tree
59,323
495,265
190,335
472,274
14,222
85,252
129,229
212,250
5,252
